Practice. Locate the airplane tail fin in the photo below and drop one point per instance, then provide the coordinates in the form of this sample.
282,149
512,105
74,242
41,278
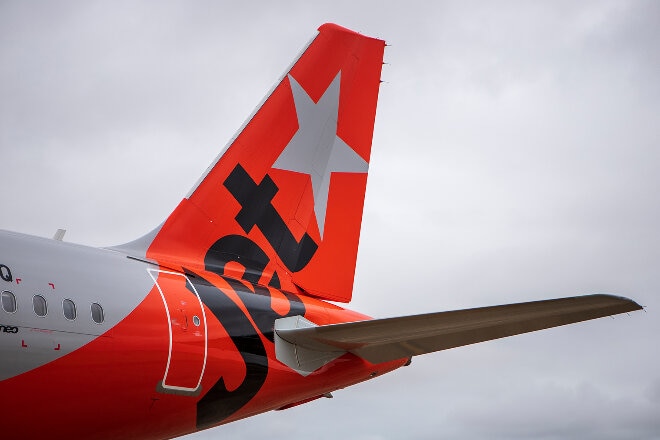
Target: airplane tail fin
282,205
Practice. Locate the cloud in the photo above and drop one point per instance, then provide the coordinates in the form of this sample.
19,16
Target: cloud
515,158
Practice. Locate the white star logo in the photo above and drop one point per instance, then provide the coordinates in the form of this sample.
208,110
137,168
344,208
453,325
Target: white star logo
316,149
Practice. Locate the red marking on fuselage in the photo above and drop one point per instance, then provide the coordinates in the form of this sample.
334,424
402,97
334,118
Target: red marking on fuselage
52,286
234,269
23,344
57,348
18,281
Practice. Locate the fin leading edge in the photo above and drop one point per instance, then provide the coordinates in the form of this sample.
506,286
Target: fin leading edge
282,205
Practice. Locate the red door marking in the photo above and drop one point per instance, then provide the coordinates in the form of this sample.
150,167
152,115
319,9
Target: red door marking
23,344
188,336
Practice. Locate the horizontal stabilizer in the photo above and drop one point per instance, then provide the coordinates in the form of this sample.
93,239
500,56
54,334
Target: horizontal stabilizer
383,340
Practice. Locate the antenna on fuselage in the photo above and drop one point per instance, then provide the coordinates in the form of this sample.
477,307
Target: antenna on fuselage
59,235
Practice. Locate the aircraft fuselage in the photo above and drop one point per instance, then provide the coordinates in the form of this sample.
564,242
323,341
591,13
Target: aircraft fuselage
139,371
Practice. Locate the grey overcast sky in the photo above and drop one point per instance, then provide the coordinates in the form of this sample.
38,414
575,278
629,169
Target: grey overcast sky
515,158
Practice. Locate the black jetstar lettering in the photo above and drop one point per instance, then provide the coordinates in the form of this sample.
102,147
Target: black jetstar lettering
219,403
241,250
257,210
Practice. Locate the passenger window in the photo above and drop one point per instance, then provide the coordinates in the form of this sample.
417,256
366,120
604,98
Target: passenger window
40,306
8,302
97,313
69,308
